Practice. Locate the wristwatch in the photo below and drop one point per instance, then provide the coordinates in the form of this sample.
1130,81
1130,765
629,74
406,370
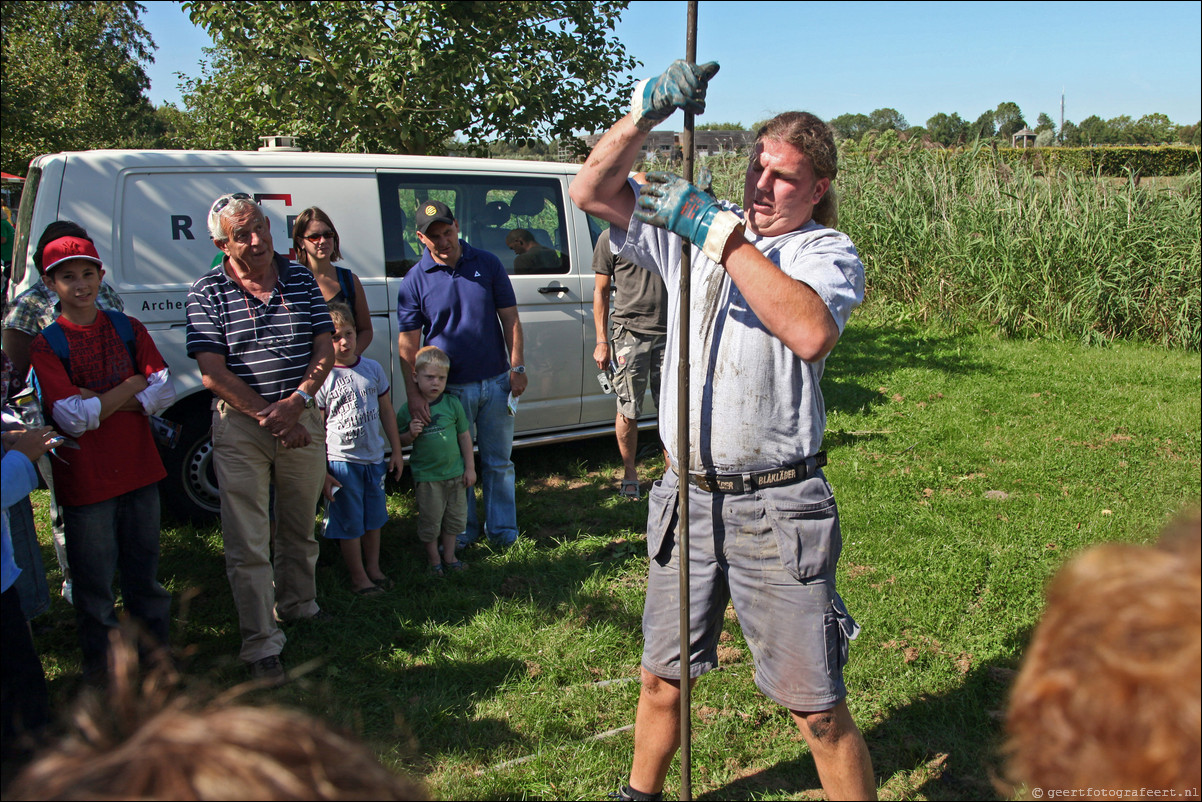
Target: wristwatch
309,402
519,369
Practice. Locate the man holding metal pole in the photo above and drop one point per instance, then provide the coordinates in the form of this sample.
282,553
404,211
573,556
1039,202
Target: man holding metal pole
773,286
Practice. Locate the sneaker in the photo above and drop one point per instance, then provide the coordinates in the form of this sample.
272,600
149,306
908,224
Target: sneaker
626,794
270,670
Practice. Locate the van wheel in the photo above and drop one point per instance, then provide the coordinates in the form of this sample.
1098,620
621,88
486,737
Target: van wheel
189,492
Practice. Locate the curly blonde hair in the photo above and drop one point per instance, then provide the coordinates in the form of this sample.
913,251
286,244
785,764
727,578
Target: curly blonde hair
1109,693
147,741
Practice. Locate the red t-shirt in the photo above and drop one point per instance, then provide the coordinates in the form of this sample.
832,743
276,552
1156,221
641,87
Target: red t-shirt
119,455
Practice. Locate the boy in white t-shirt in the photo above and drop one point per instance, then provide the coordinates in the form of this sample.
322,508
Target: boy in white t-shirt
356,403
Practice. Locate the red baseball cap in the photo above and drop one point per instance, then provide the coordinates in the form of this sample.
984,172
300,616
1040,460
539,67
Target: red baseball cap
64,249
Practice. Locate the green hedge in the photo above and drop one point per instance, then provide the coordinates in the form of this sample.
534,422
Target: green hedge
1108,161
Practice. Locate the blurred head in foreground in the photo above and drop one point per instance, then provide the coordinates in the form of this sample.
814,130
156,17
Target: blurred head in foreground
1109,693
151,743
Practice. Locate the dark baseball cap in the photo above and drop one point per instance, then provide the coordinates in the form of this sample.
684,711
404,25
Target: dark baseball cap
431,212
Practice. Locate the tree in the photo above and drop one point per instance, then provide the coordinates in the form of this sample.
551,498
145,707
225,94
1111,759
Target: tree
1070,134
1121,129
947,129
405,77
1045,138
1044,123
1009,120
984,127
850,126
887,120
73,78
1190,134
1155,129
720,127
1094,131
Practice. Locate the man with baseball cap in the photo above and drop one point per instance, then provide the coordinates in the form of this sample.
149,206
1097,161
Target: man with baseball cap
459,298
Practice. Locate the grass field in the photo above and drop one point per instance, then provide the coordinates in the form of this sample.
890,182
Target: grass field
967,469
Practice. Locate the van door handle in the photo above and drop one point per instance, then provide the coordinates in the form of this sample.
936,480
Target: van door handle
547,290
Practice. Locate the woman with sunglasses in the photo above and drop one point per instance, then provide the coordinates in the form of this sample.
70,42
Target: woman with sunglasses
316,242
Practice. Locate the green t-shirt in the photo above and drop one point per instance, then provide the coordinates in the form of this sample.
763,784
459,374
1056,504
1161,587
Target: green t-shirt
10,235
436,455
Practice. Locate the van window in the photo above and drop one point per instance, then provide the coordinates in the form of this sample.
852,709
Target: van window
487,209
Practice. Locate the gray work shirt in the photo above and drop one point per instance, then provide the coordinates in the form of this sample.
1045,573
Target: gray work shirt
754,404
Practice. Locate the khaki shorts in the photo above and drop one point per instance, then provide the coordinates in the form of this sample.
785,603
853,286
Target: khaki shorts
441,508
772,553
637,360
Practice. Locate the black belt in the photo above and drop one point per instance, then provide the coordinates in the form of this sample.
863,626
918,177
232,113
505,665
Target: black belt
746,482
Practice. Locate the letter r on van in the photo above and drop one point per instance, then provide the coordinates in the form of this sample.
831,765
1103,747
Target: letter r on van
181,224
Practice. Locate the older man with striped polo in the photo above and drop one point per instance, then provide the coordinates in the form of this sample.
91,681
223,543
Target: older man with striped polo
261,335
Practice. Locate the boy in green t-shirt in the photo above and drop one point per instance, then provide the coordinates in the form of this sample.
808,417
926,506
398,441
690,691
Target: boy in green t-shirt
441,460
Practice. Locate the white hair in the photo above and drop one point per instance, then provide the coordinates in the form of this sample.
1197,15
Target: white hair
235,203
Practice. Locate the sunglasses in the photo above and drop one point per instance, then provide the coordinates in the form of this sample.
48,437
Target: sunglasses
225,200
316,238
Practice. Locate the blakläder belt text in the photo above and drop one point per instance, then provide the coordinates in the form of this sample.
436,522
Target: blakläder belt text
746,482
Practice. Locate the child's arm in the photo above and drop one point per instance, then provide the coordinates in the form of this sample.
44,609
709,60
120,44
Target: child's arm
397,461
330,486
469,459
160,390
408,426
77,410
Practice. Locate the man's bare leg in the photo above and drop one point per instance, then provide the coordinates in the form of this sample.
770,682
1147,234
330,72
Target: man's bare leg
656,732
839,751
627,431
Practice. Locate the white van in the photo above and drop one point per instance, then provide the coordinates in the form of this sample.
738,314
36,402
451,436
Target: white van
146,211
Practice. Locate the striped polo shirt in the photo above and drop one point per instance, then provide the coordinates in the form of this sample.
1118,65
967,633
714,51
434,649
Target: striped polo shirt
267,345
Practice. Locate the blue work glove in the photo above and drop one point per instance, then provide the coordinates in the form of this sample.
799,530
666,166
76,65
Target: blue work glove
681,86
668,201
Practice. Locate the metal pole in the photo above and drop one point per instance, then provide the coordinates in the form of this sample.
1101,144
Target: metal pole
682,449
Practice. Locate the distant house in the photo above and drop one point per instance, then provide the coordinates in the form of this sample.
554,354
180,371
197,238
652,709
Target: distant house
1024,134
667,144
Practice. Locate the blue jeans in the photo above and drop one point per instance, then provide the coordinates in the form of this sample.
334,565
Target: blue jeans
31,584
487,406
118,533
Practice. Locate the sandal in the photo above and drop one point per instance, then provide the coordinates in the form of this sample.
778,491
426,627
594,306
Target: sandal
370,590
458,565
630,489
436,570
384,583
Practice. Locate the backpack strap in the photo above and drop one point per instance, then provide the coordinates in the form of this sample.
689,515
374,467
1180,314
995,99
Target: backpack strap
346,282
57,339
125,330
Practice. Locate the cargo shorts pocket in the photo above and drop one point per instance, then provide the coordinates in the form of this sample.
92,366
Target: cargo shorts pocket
840,629
807,535
661,513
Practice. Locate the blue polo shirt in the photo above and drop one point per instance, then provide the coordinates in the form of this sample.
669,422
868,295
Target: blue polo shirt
456,310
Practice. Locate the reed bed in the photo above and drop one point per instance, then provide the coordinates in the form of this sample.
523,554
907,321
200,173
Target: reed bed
961,237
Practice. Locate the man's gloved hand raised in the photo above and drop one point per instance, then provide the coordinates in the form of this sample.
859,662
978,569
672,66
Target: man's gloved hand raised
681,86
668,201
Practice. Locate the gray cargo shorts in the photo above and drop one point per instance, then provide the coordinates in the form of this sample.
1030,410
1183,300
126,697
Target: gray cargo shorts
637,361
772,552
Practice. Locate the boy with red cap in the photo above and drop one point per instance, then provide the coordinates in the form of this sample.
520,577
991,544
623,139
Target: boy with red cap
101,378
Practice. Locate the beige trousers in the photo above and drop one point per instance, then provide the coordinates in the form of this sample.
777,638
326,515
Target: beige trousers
248,460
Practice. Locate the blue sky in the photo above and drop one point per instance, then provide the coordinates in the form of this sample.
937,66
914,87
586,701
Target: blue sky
920,58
